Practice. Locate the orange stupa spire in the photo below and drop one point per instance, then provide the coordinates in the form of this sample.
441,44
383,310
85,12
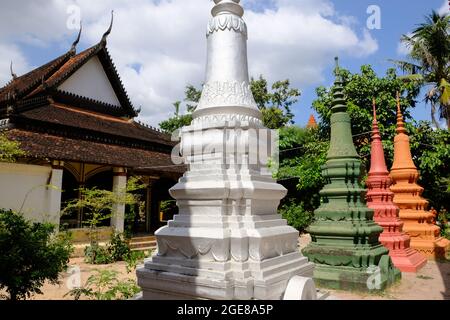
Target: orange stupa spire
312,123
379,198
418,222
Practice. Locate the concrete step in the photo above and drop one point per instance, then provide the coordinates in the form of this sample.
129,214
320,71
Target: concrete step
142,244
151,249
143,239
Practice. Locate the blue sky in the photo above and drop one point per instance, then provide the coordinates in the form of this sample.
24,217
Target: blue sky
159,45
397,18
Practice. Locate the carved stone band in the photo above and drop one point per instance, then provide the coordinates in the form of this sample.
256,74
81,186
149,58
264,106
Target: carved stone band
230,93
227,22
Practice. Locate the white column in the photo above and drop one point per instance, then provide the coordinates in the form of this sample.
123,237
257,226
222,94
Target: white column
118,210
54,193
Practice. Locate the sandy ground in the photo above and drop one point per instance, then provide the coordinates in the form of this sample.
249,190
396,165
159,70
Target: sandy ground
431,283
67,279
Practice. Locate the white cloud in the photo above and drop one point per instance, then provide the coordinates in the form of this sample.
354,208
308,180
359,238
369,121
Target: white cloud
402,48
7,51
445,8
295,39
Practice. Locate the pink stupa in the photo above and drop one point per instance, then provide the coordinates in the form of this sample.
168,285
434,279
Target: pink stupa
380,198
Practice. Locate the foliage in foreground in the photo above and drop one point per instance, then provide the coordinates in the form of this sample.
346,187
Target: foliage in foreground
31,253
105,285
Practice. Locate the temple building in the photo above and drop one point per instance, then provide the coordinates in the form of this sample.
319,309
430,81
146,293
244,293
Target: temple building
78,127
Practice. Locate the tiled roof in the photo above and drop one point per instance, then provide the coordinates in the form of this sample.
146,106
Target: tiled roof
67,68
78,119
45,80
41,146
32,79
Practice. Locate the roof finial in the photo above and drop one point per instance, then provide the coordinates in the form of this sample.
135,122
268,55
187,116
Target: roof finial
336,60
400,123
13,75
73,49
106,34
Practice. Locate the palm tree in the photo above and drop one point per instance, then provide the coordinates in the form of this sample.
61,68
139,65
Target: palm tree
429,46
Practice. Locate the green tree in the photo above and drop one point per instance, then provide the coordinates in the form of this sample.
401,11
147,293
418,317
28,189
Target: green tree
98,204
177,121
9,150
192,97
302,153
429,46
31,253
429,147
276,105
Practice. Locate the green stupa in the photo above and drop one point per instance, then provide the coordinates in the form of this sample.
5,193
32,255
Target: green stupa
345,246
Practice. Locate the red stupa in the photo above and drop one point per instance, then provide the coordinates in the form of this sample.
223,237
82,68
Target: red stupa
312,123
380,198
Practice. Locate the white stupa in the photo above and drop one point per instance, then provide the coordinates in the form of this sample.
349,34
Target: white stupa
228,241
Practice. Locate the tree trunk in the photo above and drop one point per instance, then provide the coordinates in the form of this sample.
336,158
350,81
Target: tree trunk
433,115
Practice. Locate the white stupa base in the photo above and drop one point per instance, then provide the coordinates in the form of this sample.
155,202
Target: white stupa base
173,282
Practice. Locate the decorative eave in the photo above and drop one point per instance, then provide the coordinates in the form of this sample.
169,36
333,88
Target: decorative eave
88,104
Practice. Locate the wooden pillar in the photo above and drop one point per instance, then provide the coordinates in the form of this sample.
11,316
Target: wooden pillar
118,210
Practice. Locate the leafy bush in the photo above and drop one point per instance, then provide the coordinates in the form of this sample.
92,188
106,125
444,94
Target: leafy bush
118,248
96,254
296,215
31,253
105,285
132,259
443,220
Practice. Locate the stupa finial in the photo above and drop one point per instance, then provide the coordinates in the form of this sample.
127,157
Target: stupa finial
400,123
228,6
374,107
375,130
339,104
